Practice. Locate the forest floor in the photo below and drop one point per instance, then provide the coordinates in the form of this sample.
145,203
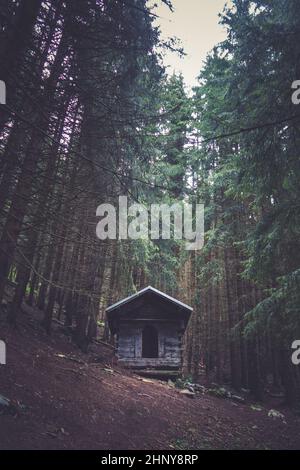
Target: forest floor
61,398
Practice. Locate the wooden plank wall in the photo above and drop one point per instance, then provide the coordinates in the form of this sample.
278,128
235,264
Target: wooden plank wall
129,344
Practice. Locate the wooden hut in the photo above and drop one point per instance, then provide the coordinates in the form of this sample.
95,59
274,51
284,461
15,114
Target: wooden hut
149,326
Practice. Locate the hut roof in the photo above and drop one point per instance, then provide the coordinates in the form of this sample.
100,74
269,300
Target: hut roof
153,291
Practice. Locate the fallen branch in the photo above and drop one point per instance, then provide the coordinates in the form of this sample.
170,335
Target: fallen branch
74,359
98,341
144,395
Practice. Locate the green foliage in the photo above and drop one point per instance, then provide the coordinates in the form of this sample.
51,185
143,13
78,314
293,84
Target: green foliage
244,95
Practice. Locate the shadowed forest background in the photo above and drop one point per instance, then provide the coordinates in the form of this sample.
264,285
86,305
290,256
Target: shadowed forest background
91,114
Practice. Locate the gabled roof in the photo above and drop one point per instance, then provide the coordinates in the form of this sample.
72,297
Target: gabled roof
151,290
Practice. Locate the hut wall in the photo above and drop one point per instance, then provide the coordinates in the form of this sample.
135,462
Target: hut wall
129,344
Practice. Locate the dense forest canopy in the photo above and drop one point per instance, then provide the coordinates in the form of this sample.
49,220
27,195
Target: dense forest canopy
91,115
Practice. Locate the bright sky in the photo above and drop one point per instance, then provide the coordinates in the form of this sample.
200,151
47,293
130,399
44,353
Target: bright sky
195,23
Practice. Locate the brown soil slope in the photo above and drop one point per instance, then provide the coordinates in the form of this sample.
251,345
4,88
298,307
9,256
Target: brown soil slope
63,399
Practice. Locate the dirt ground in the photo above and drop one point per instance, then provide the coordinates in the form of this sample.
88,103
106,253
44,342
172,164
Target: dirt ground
63,399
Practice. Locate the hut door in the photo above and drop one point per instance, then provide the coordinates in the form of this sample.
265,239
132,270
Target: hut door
149,342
